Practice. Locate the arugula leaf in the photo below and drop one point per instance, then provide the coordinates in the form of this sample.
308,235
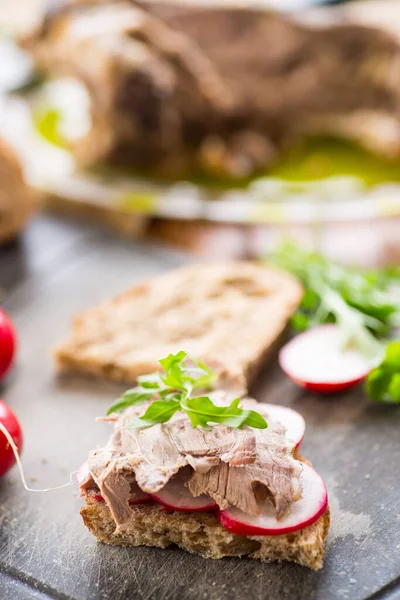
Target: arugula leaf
383,383
133,396
158,412
201,411
172,391
364,304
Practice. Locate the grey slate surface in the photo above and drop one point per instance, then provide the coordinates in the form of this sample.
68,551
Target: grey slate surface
45,551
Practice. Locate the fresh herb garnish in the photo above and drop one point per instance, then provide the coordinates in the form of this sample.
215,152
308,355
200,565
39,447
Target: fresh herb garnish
383,383
365,305
172,391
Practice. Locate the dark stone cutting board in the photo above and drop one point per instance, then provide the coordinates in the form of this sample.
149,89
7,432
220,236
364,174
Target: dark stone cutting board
46,552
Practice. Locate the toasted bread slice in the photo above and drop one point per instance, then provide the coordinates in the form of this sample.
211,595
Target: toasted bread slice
227,314
202,534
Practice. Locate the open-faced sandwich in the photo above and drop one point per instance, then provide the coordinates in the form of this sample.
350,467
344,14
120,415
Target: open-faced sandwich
213,475
228,314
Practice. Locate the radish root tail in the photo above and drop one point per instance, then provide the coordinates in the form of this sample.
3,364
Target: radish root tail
14,448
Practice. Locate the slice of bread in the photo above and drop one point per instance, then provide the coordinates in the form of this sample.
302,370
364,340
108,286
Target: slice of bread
227,314
201,533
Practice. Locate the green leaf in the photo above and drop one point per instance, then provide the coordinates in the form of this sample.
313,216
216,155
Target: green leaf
300,321
394,388
171,392
172,360
202,411
159,411
363,304
152,381
378,382
173,370
383,383
129,398
392,358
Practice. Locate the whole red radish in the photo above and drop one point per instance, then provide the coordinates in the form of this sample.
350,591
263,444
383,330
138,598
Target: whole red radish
316,360
7,343
10,422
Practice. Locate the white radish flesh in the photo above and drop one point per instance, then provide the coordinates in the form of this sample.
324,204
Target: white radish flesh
317,361
303,512
176,496
292,421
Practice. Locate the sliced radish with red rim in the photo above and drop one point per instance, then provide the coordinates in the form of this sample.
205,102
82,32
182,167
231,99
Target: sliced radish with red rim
137,495
303,512
175,495
316,361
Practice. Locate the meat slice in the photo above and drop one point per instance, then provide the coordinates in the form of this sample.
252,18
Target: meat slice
275,469
115,488
205,448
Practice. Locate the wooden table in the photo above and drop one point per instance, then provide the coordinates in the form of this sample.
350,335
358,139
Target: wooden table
46,552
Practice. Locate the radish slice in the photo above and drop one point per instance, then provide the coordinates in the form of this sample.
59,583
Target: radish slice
289,418
303,512
176,496
138,495
316,361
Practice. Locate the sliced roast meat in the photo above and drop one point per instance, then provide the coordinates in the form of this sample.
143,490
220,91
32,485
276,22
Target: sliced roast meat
244,450
202,447
115,489
276,469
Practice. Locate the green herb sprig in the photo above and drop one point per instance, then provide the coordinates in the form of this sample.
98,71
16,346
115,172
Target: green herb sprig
365,305
172,391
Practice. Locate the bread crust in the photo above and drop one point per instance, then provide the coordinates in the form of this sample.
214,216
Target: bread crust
228,314
201,533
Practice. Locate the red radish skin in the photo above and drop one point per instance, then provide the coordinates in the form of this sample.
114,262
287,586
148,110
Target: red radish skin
315,361
176,496
10,422
303,513
8,343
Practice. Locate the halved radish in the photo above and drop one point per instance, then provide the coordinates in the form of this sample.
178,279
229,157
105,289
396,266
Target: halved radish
315,360
289,418
176,496
303,512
